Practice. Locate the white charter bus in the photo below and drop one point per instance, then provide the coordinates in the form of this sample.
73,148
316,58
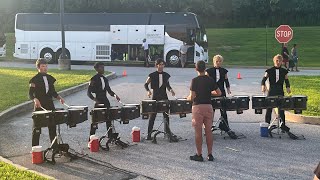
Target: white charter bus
110,36
2,44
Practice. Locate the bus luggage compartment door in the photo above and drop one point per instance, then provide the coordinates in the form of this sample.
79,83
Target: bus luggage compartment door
155,34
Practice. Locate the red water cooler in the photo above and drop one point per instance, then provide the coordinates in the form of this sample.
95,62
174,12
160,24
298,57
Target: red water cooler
135,134
94,143
37,155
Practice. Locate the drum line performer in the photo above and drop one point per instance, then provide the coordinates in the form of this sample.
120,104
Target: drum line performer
99,85
41,91
220,76
159,81
277,77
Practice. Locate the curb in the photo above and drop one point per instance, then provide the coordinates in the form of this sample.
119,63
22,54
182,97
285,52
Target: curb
298,118
24,168
28,106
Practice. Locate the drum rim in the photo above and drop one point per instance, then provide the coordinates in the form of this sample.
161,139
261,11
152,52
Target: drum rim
77,107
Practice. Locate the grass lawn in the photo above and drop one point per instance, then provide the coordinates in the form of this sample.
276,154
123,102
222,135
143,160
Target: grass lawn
15,83
247,46
309,86
8,171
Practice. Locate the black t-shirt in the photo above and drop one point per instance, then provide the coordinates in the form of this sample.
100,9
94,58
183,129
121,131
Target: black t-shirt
159,84
276,80
317,171
212,72
285,49
202,86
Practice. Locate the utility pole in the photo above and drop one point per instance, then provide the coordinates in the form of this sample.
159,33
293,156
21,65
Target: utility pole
63,61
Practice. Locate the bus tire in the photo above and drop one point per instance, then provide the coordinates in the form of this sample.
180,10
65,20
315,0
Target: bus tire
48,55
173,59
59,53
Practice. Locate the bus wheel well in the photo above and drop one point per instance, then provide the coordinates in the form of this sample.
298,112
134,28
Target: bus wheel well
60,51
48,54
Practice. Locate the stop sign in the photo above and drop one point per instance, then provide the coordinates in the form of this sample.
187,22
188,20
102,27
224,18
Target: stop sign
283,33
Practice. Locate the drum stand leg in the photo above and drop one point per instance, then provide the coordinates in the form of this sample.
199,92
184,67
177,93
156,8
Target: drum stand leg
114,139
169,135
275,124
57,148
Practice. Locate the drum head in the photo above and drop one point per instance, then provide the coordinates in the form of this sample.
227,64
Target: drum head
99,109
132,105
41,112
61,111
78,107
149,100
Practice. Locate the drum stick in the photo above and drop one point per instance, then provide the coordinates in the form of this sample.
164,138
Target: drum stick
175,97
66,105
43,108
232,149
121,102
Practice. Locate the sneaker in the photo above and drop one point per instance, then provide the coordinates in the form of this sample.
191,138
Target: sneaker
196,158
213,128
210,157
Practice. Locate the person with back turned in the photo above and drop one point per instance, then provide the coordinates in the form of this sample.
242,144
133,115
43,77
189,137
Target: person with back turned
201,89
41,92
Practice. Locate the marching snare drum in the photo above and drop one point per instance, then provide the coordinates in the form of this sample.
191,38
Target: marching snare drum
188,106
242,101
258,103
163,106
77,114
180,106
114,113
148,106
231,103
99,115
299,103
272,101
61,116
136,113
42,119
286,103
129,113
217,102
177,106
